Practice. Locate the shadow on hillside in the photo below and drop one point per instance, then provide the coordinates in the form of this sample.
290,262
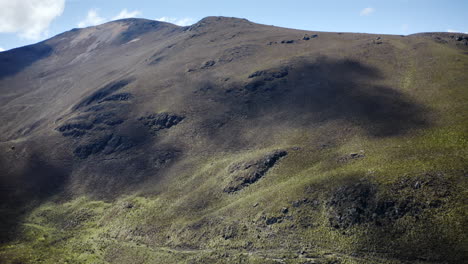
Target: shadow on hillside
327,90
26,188
15,60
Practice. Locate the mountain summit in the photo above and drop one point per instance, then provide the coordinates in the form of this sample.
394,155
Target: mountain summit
227,141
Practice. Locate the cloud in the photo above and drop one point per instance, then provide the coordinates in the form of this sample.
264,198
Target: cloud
2,49
178,21
456,31
125,14
91,19
367,11
29,18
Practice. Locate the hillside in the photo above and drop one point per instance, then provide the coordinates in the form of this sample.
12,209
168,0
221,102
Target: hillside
140,141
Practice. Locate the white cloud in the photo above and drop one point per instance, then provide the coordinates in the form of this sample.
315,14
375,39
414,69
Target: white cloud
456,31
91,19
29,18
125,14
178,21
367,11
2,49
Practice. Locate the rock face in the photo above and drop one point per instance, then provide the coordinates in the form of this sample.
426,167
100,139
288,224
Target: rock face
104,94
107,144
246,173
361,202
351,205
208,64
159,121
269,75
94,120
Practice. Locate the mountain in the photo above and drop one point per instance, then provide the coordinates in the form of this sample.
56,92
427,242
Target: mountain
227,141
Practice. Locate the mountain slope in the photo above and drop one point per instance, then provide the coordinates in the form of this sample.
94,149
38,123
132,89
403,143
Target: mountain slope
139,141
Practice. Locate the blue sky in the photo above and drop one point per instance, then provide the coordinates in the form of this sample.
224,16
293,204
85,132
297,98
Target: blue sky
23,22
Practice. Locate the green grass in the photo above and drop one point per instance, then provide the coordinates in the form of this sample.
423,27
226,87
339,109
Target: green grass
183,226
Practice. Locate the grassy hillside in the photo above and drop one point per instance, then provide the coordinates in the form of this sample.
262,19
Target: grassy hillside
232,142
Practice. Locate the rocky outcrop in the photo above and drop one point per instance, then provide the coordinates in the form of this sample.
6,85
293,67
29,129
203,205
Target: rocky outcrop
93,120
159,121
86,123
246,173
107,144
101,94
208,64
362,202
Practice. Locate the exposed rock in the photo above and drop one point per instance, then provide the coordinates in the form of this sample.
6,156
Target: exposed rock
350,205
229,232
127,205
279,74
305,201
95,108
417,185
156,60
299,202
358,203
82,124
237,53
161,159
257,74
71,126
269,75
351,156
208,64
271,220
107,144
117,97
161,121
74,133
356,155
261,78
96,146
287,41
90,121
108,118
117,144
103,92
253,86
244,174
